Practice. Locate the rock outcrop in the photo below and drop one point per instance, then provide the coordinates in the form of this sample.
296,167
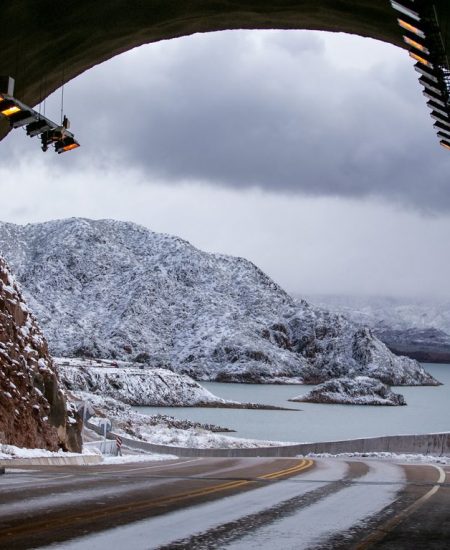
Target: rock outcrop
33,408
360,390
110,289
136,386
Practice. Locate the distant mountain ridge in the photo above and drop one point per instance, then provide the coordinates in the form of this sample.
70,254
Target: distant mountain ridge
418,328
114,289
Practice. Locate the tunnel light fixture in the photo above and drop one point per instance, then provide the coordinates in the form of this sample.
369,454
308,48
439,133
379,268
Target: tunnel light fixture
19,114
440,118
435,107
443,135
445,143
411,28
430,85
435,97
406,9
421,59
442,126
21,118
38,127
9,111
414,44
431,75
66,144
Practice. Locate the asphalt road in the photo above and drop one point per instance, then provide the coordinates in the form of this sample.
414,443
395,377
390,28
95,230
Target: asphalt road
227,503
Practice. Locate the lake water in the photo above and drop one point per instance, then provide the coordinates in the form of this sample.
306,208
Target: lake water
428,410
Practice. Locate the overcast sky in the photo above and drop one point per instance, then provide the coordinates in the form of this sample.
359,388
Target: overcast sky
311,154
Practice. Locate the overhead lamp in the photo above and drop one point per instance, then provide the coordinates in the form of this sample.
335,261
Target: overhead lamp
417,45
430,85
421,59
435,107
38,127
442,126
445,143
443,135
411,28
426,72
405,9
440,118
8,108
435,97
21,118
66,144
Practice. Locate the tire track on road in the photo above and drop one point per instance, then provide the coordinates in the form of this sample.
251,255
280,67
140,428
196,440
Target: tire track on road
220,536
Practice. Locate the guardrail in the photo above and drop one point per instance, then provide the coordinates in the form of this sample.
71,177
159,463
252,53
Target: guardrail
437,444
107,447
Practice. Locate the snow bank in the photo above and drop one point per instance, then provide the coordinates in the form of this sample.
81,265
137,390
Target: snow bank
401,457
9,452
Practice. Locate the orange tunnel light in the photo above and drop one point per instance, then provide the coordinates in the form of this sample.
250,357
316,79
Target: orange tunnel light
70,147
408,27
421,60
11,111
416,45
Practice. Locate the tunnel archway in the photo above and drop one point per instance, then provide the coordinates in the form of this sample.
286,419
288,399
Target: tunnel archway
44,43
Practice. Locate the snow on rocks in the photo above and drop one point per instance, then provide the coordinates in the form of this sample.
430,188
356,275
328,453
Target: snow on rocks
360,390
111,289
33,408
137,386
163,429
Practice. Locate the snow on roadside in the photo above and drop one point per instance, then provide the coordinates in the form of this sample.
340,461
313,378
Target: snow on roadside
9,452
126,459
393,457
202,439
164,429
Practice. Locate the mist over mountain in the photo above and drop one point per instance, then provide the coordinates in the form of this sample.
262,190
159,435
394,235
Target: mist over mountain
418,327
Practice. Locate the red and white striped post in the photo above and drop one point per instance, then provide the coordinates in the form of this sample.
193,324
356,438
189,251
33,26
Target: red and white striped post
119,445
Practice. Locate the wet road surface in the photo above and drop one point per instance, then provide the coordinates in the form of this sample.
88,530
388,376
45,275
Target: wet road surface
238,503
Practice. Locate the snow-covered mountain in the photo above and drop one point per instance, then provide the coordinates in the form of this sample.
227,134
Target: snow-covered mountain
417,327
398,313
117,290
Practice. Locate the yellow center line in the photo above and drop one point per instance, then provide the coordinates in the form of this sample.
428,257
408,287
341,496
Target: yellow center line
80,517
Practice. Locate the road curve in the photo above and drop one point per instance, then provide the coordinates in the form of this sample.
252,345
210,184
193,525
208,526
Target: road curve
227,503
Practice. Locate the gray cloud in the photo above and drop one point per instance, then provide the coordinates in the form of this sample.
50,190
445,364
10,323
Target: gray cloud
271,111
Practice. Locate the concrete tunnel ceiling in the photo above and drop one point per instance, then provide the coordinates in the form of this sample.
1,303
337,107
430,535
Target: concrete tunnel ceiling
43,42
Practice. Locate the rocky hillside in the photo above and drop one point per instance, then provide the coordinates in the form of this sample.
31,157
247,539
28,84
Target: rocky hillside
117,290
33,408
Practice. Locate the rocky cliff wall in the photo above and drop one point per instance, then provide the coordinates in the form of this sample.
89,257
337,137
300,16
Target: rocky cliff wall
33,407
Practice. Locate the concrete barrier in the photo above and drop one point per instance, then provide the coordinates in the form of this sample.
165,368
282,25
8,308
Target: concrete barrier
437,444
426,444
82,460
